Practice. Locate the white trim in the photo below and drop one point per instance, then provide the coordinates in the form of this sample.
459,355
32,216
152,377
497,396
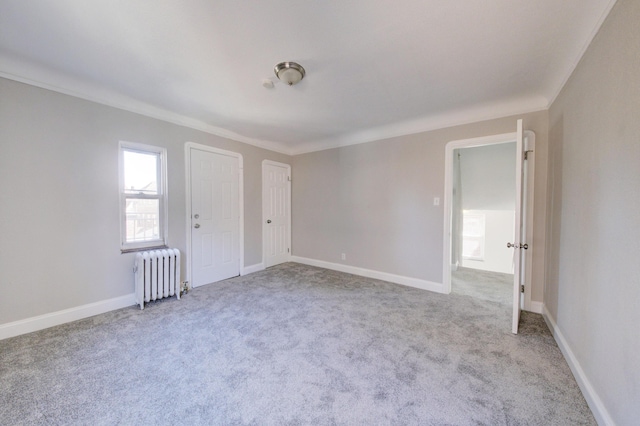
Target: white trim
578,58
187,159
426,124
530,137
41,322
252,268
590,395
264,218
384,276
60,83
529,169
66,85
163,196
448,188
536,307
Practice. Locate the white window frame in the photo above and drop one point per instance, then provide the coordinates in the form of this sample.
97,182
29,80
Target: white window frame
469,236
162,197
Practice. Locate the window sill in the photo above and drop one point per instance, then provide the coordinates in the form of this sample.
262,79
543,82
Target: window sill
133,250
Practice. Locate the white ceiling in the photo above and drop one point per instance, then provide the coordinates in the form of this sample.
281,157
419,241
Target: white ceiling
375,69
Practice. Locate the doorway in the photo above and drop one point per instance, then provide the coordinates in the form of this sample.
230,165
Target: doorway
276,213
483,213
214,214
516,251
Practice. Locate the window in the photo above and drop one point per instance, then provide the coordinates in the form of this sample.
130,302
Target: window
143,196
473,231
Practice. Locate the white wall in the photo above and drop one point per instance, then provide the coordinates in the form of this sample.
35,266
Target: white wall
593,279
488,177
59,209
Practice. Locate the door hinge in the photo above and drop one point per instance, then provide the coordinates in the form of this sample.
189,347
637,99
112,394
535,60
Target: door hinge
289,178
287,250
522,288
526,154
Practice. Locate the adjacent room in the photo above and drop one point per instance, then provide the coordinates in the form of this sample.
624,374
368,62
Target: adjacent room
483,212
274,212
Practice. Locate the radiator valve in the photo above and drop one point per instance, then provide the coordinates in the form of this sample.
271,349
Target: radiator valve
185,288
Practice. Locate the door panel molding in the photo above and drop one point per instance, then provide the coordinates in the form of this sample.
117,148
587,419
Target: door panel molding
187,150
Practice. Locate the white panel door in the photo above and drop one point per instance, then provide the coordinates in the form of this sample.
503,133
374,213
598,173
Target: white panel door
518,258
215,253
276,213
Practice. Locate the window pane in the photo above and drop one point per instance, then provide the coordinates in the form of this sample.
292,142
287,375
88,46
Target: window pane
472,248
140,172
143,220
473,233
472,224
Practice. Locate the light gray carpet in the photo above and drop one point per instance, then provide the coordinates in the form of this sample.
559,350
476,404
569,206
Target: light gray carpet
485,285
293,345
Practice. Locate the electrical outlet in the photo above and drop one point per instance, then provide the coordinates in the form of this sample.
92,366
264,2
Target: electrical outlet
344,256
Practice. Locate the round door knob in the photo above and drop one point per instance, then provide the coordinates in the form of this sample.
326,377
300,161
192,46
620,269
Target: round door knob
269,221
197,225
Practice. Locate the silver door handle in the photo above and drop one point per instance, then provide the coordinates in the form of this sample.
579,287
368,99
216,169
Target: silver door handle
269,221
514,245
197,225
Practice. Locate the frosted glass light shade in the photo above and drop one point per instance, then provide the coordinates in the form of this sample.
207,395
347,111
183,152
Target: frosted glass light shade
289,72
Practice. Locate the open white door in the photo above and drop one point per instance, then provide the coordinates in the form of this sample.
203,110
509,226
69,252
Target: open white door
523,221
517,252
276,212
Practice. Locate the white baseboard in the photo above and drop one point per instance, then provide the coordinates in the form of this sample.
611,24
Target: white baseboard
41,322
252,268
536,307
397,279
598,409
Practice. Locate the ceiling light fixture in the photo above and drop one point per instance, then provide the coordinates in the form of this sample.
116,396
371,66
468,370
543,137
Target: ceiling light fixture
289,72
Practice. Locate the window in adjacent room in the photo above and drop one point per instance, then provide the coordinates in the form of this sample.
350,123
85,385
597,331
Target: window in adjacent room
143,196
473,232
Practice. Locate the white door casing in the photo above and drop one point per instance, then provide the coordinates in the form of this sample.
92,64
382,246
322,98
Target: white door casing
526,201
528,179
214,214
517,234
276,213
523,232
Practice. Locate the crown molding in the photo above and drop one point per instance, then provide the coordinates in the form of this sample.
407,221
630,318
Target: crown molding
61,83
555,92
58,82
428,123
